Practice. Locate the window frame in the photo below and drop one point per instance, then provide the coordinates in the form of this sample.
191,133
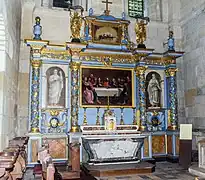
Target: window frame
61,7
135,11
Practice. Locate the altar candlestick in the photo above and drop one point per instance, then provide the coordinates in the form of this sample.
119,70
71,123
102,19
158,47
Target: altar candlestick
84,117
122,114
98,117
134,117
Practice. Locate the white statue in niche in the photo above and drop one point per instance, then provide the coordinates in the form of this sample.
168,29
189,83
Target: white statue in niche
55,83
154,91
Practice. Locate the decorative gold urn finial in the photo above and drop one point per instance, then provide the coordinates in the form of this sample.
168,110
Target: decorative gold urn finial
107,11
140,30
76,20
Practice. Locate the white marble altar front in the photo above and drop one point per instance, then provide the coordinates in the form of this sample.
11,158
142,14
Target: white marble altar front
103,146
112,147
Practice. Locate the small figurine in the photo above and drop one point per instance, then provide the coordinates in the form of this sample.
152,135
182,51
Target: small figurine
90,11
140,30
171,41
76,22
123,16
37,29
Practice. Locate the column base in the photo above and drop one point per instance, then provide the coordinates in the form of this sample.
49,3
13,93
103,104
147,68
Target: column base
75,129
35,130
122,122
143,128
172,128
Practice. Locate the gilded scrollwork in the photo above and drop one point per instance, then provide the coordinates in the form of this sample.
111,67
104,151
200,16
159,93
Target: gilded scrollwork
140,29
55,54
76,24
103,58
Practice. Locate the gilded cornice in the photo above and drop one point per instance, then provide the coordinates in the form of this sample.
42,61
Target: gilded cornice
53,53
113,58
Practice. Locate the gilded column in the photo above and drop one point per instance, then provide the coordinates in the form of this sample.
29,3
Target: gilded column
74,67
171,72
35,89
140,72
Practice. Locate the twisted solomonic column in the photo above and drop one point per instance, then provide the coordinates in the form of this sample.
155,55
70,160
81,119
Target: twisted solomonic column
75,71
171,72
140,72
35,88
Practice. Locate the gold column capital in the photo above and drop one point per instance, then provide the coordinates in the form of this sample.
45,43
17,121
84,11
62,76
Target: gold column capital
75,65
75,51
140,70
171,71
36,63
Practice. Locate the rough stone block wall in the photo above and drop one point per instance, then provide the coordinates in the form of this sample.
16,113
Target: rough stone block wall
194,76
11,16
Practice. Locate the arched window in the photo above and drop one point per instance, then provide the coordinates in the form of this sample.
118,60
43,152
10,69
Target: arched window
136,8
62,3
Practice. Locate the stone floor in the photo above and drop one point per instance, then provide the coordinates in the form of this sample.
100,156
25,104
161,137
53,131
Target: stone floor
164,170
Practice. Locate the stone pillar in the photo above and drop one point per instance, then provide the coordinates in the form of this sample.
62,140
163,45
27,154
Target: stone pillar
35,88
140,72
171,72
74,68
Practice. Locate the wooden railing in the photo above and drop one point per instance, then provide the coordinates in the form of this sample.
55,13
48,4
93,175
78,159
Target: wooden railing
13,159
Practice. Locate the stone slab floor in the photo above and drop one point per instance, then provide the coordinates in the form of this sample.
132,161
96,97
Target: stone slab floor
164,170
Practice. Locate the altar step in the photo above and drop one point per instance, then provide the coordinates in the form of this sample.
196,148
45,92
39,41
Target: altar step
119,169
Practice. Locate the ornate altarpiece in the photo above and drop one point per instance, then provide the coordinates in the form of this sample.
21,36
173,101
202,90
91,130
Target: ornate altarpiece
56,88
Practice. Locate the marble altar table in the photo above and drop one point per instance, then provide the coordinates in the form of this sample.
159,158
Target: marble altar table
113,148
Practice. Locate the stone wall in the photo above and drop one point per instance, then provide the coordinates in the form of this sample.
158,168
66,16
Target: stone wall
10,16
192,21
193,25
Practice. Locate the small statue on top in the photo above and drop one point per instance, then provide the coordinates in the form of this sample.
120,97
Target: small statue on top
171,41
76,21
140,30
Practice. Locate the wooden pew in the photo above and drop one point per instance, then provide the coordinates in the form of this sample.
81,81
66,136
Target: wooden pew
7,161
20,164
48,169
14,158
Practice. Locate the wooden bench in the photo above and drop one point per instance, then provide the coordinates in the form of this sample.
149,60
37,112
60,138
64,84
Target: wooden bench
13,159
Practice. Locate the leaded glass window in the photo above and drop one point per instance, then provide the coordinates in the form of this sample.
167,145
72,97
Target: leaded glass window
62,3
136,8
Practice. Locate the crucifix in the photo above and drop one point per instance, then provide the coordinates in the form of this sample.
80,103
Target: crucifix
107,10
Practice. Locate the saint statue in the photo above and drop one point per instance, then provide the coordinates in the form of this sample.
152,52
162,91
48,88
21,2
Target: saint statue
153,91
55,87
